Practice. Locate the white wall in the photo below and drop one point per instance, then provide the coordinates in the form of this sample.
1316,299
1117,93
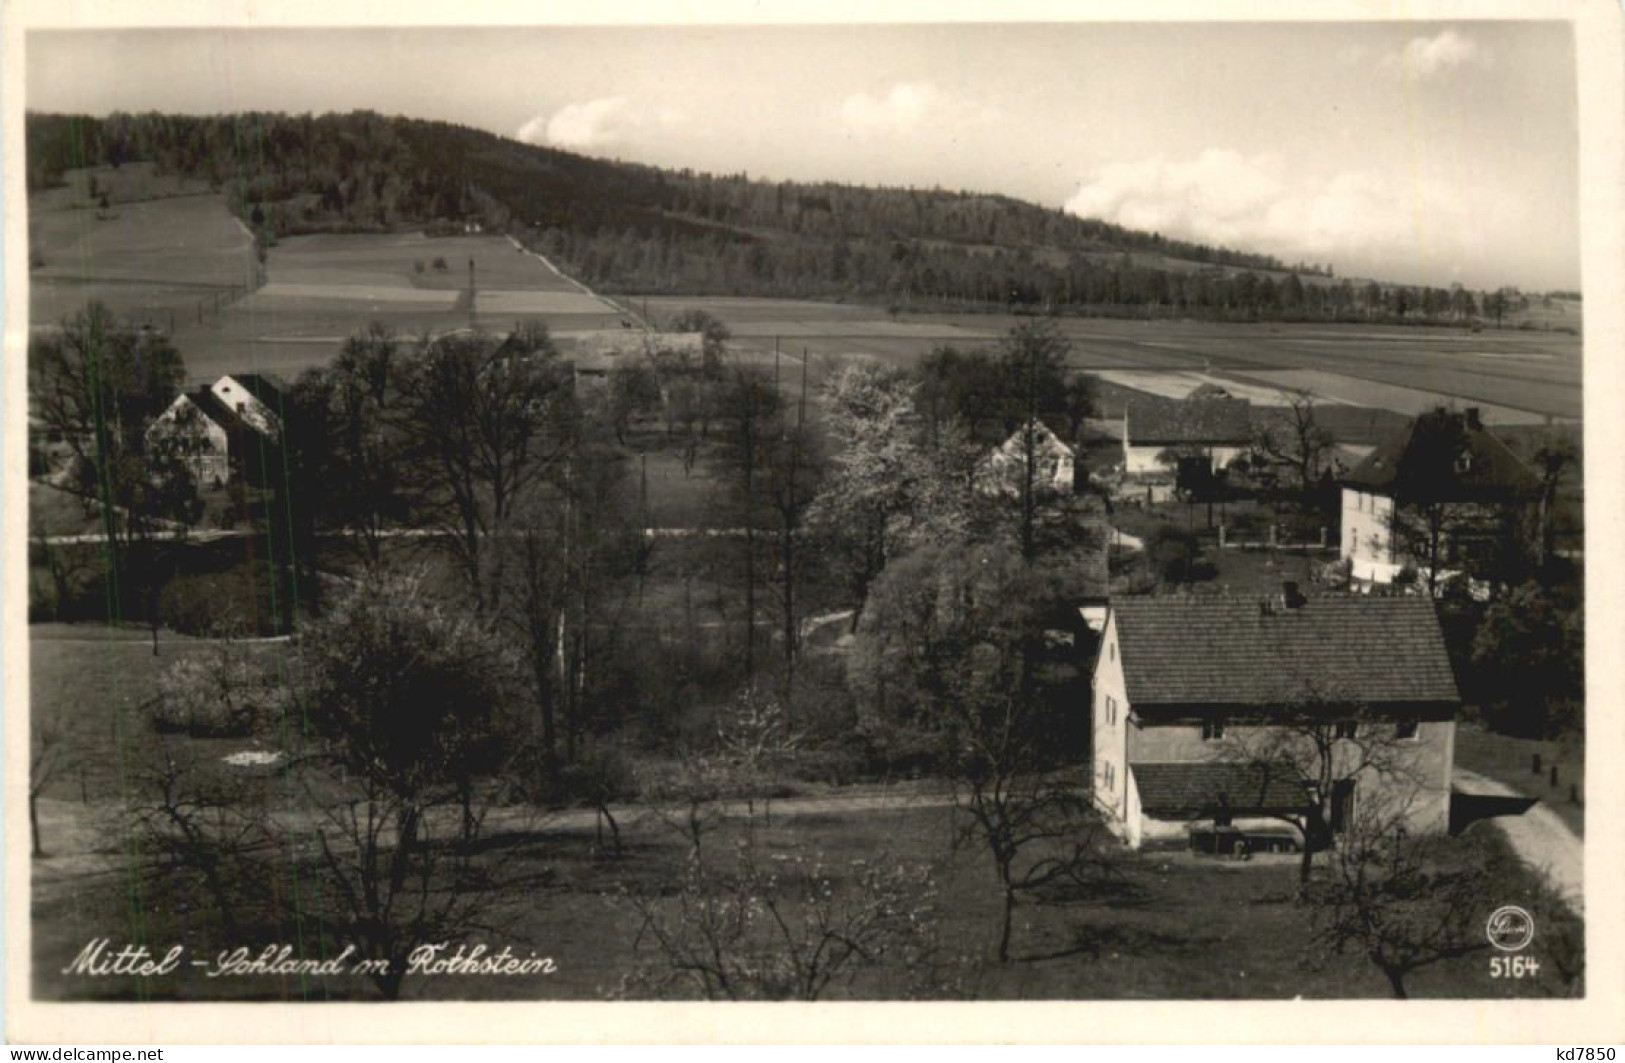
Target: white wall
1109,734
1142,460
208,446
1368,536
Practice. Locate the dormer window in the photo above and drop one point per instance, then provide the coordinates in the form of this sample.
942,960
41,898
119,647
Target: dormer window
1464,462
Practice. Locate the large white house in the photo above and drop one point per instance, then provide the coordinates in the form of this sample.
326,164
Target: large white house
1185,685
1443,459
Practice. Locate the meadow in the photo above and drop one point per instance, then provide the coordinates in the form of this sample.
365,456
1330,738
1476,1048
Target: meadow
168,252
1165,926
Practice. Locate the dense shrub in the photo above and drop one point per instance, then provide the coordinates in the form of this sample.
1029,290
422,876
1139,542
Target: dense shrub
224,693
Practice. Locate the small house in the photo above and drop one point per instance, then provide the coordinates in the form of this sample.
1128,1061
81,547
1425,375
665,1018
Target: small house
202,429
593,355
1054,463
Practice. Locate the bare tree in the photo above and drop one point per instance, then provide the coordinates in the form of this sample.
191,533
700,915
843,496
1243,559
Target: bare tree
749,409
196,821
1321,742
485,421
792,930
98,384
1297,439
1401,900
47,757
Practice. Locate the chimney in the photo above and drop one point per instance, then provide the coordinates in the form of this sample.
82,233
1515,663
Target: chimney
1473,421
1290,594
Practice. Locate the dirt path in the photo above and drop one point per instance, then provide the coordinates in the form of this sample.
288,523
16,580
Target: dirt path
611,303
1539,837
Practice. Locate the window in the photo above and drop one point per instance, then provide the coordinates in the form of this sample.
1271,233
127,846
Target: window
1212,730
1108,774
1111,652
1347,729
1111,710
1406,730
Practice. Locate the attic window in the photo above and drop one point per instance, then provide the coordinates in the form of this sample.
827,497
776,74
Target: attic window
1347,729
1405,730
1464,461
1212,730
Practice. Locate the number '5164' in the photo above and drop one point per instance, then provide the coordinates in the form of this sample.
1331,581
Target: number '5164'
1514,967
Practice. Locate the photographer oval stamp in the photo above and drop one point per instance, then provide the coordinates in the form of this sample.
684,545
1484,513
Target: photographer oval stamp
1510,928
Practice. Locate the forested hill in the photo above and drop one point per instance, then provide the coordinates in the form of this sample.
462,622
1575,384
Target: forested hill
639,228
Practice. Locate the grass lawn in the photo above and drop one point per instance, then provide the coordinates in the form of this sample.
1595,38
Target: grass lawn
1509,760
99,694
1171,926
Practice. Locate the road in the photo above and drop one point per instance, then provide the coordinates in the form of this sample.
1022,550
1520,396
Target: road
1539,837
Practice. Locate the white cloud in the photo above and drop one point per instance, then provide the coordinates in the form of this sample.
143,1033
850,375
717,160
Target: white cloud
602,123
1258,203
905,106
1426,57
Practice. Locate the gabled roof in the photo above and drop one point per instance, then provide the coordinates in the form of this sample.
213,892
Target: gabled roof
1053,461
1230,651
210,406
1192,421
1445,456
267,389
1201,788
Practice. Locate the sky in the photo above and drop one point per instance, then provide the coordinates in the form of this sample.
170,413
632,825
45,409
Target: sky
1420,152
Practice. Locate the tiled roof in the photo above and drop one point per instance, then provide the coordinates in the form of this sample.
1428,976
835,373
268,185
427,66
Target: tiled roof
1203,788
1219,650
215,409
1443,457
267,389
1154,421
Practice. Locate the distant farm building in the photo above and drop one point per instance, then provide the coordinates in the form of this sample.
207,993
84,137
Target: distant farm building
1207,426
219,430
594,355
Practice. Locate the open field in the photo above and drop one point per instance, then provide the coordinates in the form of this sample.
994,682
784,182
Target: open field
1516,376
320,289
166,261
